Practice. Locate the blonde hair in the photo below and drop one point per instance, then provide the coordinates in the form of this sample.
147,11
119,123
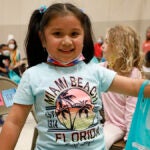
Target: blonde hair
125,45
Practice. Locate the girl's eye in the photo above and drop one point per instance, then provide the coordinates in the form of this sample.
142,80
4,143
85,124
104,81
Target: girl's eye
57,34
74,34
61,34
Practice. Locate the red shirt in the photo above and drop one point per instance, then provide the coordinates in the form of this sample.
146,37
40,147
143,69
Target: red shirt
97,50
146,46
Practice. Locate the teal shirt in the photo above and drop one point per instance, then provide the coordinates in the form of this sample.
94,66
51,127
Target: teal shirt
67,103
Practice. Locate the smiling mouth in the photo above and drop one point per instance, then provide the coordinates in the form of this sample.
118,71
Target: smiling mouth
66,51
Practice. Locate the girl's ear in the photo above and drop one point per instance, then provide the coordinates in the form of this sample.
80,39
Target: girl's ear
41,36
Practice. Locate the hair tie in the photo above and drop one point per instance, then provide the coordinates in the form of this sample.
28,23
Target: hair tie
42,9
82,10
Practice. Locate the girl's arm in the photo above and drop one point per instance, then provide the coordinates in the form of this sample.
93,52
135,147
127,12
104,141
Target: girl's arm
128,86
13,126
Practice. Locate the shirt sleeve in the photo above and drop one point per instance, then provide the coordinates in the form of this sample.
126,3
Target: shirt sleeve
106,77
24,94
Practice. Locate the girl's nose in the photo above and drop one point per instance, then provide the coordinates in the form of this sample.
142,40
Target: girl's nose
66,41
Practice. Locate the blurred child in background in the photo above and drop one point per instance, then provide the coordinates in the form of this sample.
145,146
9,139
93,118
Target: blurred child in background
121,49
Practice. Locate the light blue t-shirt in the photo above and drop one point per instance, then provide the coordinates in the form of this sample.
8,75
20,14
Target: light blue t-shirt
67,103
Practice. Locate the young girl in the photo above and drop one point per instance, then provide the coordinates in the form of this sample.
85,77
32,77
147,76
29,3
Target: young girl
121,49
64,88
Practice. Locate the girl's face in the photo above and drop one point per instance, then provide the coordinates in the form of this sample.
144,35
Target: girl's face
63,38
106,48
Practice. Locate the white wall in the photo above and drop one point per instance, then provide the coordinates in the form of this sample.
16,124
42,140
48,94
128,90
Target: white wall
15,14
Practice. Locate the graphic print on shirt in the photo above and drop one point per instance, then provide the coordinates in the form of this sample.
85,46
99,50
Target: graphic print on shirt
73,105
70,112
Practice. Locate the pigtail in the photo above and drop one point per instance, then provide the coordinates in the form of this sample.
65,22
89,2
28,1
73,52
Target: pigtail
34,49
88,48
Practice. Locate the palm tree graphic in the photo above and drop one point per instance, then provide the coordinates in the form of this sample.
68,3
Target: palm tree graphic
65,106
